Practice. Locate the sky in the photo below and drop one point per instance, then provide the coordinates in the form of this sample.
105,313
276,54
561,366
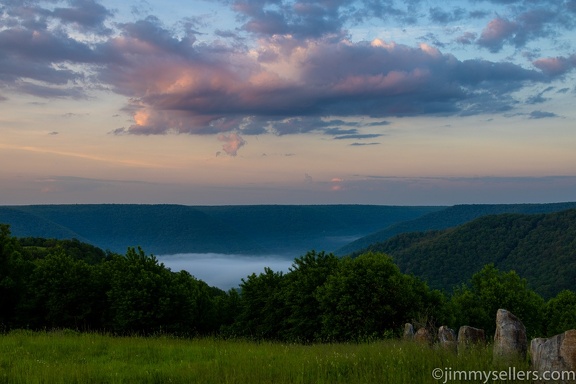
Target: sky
394,102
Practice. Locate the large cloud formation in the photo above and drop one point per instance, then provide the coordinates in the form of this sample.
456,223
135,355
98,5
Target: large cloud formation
290,66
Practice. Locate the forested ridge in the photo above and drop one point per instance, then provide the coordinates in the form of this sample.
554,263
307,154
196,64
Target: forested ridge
448,218
169,228
55,284
540,247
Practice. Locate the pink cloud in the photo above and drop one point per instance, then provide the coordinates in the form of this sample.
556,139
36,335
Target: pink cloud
556,65
496,33
207,90
232,143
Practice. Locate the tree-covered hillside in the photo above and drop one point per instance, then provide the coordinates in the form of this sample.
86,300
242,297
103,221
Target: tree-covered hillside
164,229
158,228
54,284
540,247
447,218
304,227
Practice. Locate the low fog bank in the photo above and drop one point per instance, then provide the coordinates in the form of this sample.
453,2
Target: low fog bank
224,271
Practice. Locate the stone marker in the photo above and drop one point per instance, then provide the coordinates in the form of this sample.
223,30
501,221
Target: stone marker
555,354
468,336
408,331
510,340
447,338
423,336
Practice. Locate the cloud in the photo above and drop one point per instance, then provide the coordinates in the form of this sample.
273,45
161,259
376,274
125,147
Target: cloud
232,143
496,33
281,72
467,38
301,19
36,55
358,136
541,115
363,144
532,24
442,16
556,66
85,15
176,87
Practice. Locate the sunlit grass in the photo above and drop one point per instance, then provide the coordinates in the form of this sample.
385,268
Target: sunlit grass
69,357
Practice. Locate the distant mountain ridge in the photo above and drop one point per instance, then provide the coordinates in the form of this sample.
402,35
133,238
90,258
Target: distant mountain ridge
165,229
539,247
449,217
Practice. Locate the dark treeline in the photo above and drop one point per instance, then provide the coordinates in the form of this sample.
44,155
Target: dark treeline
48,284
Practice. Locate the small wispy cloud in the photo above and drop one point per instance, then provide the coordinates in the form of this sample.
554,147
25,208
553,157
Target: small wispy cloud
542,115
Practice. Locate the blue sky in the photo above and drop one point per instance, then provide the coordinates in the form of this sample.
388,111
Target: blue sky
287,102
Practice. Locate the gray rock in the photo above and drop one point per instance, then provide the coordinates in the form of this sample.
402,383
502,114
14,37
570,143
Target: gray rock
447,338
408,331
469,336
555,354
510,340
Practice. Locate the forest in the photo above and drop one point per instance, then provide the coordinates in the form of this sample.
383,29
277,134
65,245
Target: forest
68,284
168,228
539,247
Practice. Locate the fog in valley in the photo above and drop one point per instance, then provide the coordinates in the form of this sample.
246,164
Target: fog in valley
224,271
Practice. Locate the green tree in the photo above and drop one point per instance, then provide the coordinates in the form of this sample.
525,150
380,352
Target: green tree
188,306
146,298
262,308
307,274
228,307
64,294
560,313
138,289
14,273
368,297
476,304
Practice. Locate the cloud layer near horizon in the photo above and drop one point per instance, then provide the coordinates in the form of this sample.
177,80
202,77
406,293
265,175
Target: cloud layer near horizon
288,67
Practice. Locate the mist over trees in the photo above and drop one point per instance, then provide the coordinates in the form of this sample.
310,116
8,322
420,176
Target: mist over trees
51,284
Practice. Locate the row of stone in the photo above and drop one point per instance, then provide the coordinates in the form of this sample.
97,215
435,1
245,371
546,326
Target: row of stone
554,354
447,338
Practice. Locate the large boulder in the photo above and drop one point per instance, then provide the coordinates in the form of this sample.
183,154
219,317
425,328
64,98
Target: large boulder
424,336
447,338
555,355
510,341
469,336
408,331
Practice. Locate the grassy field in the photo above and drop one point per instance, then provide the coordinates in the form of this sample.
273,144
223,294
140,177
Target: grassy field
69,357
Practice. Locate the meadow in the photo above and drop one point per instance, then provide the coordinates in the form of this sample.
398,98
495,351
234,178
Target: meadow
71,357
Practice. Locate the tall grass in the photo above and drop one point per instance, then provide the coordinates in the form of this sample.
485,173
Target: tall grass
69,357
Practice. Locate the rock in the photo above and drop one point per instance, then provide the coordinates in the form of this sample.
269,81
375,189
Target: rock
408,331
510,340
468,336
447,338
423,336
555,354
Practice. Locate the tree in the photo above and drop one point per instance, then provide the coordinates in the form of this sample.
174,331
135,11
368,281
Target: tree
64,293
477,303
368,297
14,272
307,274
137,294
263,310
188,306
560,313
